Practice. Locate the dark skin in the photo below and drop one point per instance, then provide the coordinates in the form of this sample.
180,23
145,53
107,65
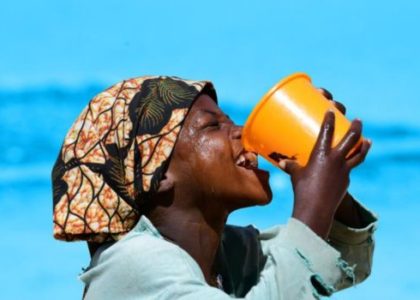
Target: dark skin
347,212
204,183
320,188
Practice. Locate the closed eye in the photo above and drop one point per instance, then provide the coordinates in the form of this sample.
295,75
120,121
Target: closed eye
218,124
214,125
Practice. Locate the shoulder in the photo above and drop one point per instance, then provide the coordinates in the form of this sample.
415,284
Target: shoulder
144,244
135,259
138,266
145,252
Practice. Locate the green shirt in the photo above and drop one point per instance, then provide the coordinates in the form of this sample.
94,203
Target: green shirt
284,262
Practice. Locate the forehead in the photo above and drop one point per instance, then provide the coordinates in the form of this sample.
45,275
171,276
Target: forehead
205,102
204,105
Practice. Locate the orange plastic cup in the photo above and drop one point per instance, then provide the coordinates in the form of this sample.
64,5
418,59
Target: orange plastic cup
287,120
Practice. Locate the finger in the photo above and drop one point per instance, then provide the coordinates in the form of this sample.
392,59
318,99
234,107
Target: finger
326,93
340,106
326,133
360,157
351,138
289,166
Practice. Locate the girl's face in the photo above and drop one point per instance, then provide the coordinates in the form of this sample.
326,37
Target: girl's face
210,159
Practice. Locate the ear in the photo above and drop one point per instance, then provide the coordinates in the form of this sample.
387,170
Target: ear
167,183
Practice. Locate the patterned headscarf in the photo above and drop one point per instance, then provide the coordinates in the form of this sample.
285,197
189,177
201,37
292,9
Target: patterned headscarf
115,154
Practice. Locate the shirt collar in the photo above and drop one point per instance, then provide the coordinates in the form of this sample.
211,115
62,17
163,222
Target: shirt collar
144,225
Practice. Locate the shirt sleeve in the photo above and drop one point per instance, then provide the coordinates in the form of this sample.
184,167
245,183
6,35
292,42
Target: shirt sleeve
356,246
345,259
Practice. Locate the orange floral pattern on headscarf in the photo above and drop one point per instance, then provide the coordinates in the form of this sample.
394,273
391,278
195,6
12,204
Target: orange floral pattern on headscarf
115,153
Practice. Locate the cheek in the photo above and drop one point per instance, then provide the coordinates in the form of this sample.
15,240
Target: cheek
214,152
212,168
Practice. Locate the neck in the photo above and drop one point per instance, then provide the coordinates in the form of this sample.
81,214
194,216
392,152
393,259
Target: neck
195,232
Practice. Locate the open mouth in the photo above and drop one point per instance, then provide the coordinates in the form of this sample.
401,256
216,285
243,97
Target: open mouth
248,160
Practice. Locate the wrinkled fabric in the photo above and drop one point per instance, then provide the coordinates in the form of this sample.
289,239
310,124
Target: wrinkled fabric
115,153
297,264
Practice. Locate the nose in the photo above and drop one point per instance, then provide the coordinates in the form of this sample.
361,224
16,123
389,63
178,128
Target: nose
236,132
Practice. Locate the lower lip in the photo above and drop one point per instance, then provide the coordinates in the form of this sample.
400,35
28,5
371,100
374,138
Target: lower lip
259,172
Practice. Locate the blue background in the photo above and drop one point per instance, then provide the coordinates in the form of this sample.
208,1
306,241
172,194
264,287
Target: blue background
56,55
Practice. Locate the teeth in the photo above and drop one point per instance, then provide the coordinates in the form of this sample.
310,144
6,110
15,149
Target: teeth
247,159
254,163
241,160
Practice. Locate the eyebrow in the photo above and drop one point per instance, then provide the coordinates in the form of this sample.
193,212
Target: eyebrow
213,113
209,112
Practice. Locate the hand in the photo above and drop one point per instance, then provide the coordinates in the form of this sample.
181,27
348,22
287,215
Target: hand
320,186
347,212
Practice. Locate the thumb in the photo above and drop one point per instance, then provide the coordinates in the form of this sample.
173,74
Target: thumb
288,165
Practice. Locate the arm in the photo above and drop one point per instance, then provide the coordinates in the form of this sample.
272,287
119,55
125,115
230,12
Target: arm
320,186
322,203
341,261
349,213
340,208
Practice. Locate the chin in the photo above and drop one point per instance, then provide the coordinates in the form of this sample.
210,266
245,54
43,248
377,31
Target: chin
260,198
265,199
264,195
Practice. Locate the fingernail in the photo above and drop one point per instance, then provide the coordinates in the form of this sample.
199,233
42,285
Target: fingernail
282,164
